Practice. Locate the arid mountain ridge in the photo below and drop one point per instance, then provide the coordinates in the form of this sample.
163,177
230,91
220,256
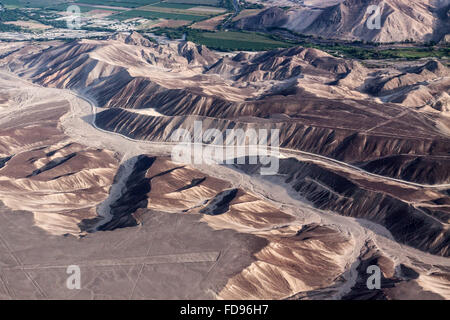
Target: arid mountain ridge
367,193
400,20
324,105
311,89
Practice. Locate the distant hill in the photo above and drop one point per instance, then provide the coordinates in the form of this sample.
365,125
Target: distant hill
400,20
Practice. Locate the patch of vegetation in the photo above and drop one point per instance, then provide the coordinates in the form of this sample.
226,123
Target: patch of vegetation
354,52
148,37
85,8
417,53
248,5
235,41
171,33
30,3
97,29
227,4
12,15
46,18
38,15
11,3
254,41
361,50
9,28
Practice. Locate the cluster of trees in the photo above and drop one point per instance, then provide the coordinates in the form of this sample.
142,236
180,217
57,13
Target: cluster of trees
10,15
9,28
45,18
171,33
227,4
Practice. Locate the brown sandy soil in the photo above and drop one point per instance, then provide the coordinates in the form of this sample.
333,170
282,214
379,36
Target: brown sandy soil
172,189
29,24
167,257
101,13
294,261
207,9
61,196
165,230
328,108
246,13
60,182
210,24
163,23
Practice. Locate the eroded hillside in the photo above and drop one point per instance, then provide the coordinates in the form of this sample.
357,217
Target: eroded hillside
85,170
400,20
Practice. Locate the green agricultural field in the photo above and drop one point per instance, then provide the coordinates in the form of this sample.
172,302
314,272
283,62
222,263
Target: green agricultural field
63,7
156,15
234,41
416,53
12,3
30,3
355,52
53,3
11,15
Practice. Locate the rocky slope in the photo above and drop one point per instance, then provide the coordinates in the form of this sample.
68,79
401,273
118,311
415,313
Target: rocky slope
400,20
65,195
408,217
361,180
321,104
61,182
331,106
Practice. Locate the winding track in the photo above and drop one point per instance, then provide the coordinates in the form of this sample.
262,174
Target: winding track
360,230
284,152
